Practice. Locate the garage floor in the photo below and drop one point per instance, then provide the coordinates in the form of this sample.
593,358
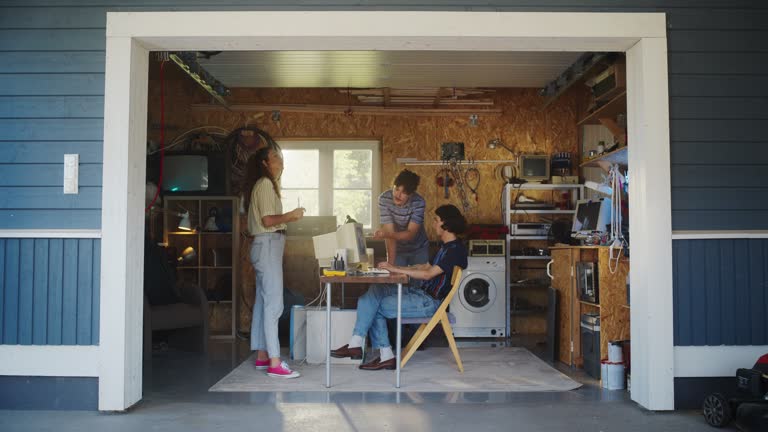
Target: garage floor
177,399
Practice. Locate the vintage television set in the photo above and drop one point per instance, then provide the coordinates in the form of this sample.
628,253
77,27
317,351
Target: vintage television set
191,173
592,217
533,168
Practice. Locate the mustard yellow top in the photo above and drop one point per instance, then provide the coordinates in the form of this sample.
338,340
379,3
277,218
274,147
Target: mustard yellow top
264,202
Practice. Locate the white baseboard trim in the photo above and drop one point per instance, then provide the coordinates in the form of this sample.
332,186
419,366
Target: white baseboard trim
49,360
715,361
713,235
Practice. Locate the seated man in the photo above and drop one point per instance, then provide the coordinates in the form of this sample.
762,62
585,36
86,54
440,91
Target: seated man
429,285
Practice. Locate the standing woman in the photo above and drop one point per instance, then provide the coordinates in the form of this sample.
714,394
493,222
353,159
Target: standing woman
266,222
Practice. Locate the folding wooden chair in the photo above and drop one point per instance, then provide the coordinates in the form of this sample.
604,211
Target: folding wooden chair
428,324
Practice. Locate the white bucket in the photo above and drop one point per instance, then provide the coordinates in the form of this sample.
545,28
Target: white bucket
615,354
614,377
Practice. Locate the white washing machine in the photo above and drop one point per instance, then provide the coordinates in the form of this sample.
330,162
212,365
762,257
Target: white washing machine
480,305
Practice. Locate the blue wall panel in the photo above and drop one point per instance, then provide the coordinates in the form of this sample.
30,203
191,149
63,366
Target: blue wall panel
49,291
721,292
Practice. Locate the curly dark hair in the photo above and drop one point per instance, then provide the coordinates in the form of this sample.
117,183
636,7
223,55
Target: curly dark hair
453,220
409,180
255,169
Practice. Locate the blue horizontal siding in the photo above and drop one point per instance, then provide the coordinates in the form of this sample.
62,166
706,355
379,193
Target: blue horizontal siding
44,197
50,218
44,152
720,292
49,291
52,106
53,40
59,62
718,86
52,84
47,175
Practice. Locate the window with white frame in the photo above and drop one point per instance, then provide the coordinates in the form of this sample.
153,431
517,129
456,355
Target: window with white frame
332,178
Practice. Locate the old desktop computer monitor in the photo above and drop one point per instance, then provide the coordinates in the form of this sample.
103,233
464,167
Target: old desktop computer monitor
534,168
591,217
348,236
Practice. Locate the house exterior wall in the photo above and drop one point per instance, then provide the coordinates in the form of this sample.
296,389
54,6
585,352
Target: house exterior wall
51,103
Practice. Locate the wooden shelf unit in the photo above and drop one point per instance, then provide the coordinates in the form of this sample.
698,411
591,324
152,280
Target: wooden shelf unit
614,313
612,108
618,156
201,270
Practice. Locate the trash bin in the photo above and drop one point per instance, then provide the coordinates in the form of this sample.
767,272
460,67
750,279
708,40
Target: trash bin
590,343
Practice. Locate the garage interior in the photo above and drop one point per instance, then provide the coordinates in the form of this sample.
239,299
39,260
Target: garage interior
567,106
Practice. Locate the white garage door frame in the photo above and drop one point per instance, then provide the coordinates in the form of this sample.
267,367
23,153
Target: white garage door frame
131,36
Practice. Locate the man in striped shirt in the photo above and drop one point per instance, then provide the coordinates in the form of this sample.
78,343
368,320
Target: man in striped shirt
401,213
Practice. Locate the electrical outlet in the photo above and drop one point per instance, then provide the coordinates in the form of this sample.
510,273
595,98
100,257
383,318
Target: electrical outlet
71,173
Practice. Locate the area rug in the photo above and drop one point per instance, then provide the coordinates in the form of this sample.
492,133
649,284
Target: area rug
501,369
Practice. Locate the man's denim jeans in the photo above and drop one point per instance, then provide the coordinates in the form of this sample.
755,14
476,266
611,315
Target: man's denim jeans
380,303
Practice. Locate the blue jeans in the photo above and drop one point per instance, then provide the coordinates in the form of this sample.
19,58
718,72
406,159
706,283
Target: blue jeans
267,260
380,303
419,256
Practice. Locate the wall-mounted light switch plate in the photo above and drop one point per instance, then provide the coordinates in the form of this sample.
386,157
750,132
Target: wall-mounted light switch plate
71,173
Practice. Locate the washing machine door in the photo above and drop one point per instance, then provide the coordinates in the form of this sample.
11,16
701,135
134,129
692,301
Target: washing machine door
477,292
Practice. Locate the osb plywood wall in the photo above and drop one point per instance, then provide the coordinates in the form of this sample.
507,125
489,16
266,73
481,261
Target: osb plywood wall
526,126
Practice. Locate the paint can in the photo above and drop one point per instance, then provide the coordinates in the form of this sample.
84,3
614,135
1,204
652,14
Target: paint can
615,354
612,375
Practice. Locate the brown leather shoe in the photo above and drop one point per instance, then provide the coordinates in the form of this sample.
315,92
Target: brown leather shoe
346,351
377,364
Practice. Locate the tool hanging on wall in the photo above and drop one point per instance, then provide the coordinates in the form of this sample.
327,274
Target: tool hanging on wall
456,171
445,180
472,178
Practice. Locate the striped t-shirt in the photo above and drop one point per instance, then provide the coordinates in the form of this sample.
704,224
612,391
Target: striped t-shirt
400,217
264,202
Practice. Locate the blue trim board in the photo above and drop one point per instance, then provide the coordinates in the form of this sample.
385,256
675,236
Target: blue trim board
49,393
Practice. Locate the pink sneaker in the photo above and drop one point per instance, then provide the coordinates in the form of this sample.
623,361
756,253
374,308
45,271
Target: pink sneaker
282,371
261,364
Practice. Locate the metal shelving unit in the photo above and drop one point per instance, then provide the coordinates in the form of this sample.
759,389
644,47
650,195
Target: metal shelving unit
511,192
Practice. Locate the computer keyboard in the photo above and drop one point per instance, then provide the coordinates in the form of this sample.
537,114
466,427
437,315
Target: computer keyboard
376,270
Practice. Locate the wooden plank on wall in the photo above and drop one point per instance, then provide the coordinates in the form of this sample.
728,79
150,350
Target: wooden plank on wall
45,84
719,220
40,292
24,175
52,106
55,290
57,61
50,219
26,287
718,85
723,176
11,298
69,304
43,152
84,291
53,40
49,198
708,40
52,129
718,108
736,63
726,199
715,153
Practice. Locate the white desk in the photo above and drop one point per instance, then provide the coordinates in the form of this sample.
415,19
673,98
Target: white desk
392,278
